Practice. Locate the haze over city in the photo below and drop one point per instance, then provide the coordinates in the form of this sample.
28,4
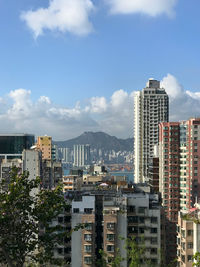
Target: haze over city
69,66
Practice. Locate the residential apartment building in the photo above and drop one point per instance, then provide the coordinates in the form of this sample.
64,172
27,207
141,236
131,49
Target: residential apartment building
52,173
151,106
188,236
70,182
179,171
44,143
110,215
81,155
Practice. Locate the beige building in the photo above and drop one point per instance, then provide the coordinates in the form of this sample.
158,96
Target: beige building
110,217
70,182
188,236
44,143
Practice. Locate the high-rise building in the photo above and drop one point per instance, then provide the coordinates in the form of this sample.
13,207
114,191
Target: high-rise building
81,155
151,106
65,154
44,143
179,168
179,172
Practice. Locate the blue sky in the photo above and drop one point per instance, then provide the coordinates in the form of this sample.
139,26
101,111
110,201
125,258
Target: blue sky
113,45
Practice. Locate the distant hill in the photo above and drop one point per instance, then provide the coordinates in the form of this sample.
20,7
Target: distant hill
99,140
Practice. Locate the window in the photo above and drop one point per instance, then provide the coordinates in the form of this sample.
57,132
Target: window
154,219
189,245
132,219
141,210
141,230
60,251
141,219
190,232
153,250
88,226
131,208
153,230
88,260
110,237
76,210
88,248
88,211
154,240
60,219
88,237
110,226
110,248
189,258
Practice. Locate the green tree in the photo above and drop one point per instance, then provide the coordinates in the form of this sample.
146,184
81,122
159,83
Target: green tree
196,257
106,261
26,233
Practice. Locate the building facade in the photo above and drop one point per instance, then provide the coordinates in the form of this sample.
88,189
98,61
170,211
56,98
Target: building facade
179,172
12,145
110,219
188,236
44,144
81,155
151,106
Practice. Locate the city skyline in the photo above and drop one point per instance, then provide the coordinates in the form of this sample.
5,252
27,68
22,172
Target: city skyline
79,77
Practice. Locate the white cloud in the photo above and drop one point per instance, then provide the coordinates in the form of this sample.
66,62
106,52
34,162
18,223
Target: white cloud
149,7
61,15
172,86
97,105
113,116
183,104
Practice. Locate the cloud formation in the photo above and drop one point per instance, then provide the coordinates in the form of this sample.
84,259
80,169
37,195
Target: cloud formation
44,117
152,8
61,15
18,113
183,103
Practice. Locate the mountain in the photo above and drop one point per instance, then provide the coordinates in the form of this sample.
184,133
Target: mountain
99,140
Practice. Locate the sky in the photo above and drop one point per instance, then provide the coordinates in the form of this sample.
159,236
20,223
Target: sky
69,66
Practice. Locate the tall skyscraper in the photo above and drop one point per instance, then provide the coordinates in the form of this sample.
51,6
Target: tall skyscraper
151,106
179,172
81,155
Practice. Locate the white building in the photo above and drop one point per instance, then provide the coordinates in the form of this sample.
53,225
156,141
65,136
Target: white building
151,106
81,155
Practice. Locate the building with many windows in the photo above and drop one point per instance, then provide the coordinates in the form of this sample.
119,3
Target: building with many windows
179,172
44,144
151,106
81,155
110,218
188,236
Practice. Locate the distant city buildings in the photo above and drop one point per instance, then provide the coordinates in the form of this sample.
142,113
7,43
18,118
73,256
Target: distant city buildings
151,106
82,155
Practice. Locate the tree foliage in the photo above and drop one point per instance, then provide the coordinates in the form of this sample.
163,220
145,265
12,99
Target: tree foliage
196,258
26,213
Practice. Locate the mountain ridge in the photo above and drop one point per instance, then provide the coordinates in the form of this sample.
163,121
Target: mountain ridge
99,140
